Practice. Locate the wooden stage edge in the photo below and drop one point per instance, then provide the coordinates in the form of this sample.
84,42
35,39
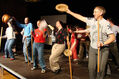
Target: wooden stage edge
11,71
22,70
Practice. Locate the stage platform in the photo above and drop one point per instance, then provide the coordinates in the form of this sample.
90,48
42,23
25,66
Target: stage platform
23,71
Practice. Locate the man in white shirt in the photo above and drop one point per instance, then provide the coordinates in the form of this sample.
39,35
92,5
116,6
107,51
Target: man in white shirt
106,37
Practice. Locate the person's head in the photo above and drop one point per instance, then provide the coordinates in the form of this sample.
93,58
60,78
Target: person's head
26,20
110,21
59,24
99,11
9,25
38,23
42,24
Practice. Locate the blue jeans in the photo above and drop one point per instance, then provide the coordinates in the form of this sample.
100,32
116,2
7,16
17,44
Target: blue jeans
27,47
8,48
38,52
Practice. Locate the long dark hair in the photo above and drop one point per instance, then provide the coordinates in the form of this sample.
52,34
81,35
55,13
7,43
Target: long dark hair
62,23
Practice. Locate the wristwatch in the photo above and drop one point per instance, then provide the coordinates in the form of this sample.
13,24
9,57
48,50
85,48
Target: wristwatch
103,43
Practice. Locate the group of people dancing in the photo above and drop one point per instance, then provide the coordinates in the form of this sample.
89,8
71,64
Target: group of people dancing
100,32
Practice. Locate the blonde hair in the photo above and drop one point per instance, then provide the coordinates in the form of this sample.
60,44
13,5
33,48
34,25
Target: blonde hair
101,8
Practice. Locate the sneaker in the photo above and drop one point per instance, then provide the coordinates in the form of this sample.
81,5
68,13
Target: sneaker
26,61
57,71
5,56
33,68
75,60
15,54
11,58
31,62
43,71
87,56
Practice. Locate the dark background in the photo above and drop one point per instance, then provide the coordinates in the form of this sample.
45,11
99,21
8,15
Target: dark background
34,10
19,9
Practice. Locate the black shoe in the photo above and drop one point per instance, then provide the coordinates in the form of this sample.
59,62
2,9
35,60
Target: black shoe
80,62
117,69
57,71
107,75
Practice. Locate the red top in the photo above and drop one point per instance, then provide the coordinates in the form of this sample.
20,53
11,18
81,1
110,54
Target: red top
38,36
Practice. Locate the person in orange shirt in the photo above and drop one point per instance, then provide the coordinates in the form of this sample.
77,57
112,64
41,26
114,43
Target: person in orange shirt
38,46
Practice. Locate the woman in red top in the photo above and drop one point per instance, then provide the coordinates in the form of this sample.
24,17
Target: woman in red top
74,43
38,45
74,47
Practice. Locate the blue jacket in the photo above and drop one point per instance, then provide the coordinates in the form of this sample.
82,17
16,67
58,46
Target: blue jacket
27,29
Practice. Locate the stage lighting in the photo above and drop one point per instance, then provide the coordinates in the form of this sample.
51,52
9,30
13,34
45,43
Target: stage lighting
32,0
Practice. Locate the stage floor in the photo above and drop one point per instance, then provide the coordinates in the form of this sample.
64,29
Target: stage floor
80,71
